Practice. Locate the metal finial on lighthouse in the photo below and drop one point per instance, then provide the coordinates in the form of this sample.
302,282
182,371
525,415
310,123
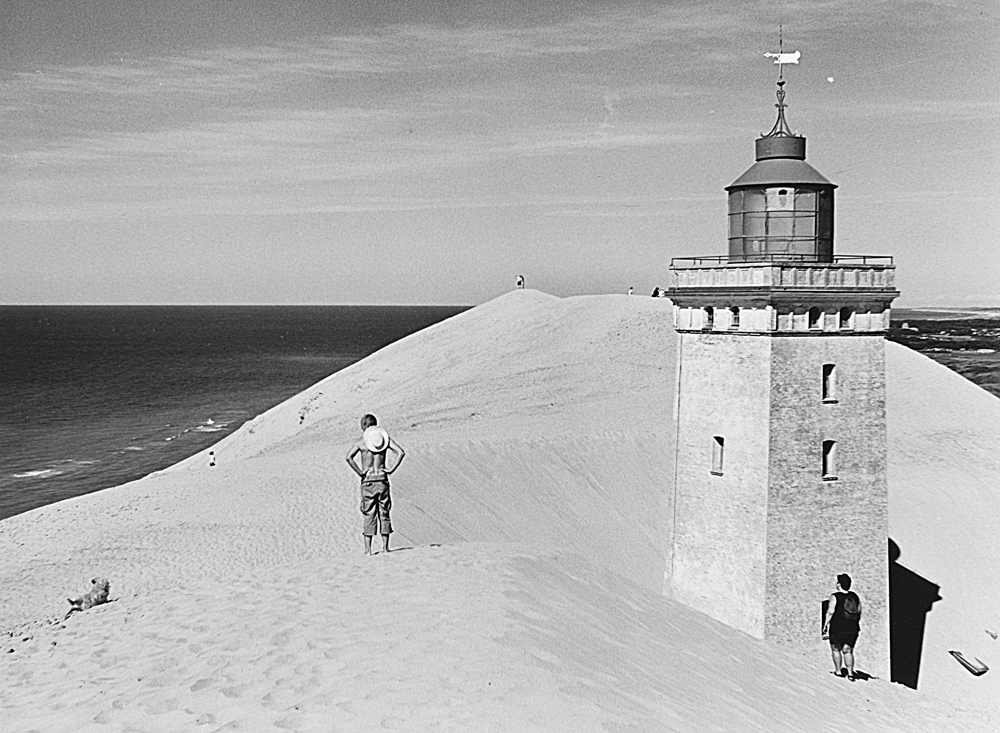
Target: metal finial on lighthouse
781,128
781,58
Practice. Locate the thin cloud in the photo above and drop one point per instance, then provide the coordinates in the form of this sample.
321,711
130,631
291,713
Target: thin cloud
273,162
366,108
393,50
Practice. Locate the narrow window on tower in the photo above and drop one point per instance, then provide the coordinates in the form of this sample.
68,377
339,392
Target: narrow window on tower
845,318
718,445
709,318
734,318
814,318
829,383
829,460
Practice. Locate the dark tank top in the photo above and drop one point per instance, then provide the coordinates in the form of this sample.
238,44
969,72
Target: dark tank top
840,622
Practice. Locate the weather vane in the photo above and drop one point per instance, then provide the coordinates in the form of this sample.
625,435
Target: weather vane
781,128
781,58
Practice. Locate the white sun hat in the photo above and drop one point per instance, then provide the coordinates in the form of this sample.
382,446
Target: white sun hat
376,439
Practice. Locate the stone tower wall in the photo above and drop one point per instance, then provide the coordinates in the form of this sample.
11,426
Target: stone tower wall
818,528
719,554
759,546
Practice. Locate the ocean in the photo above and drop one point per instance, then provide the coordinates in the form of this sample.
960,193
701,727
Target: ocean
95,396
966,340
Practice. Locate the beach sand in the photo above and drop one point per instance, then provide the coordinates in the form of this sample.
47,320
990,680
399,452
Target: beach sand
525,592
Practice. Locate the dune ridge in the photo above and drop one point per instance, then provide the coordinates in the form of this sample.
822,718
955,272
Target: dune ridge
537,432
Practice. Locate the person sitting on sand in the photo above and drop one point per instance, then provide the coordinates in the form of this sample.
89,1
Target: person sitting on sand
842,624
374,473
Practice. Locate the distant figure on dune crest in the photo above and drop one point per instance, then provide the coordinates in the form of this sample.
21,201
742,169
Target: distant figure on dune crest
97,595
842,625
631,290
520,282
374,472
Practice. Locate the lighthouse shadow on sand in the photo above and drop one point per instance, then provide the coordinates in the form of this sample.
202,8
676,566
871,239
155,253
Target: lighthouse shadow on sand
911,598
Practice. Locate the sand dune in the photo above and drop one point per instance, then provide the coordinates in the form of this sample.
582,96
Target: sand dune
944,514
537,431
459,637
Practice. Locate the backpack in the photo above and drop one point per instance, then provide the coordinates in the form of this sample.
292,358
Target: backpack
852,607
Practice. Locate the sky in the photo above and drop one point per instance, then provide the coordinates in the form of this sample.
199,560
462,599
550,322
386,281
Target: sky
429,152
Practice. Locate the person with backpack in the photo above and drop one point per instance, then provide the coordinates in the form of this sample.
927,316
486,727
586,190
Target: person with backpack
842,624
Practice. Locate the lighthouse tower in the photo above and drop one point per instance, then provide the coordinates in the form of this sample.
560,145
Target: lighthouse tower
780,412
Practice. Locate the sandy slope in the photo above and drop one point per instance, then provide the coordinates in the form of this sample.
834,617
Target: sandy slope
944,514
537,432
459,637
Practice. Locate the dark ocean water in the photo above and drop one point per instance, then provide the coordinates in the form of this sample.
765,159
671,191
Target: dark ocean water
92,397
966,341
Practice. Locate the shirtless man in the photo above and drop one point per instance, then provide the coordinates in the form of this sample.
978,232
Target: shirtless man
374,473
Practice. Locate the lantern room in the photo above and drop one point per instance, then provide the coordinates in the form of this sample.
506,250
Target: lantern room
781,209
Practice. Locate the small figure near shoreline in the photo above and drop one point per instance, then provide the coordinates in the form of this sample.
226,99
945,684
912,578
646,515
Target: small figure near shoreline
842,625
374,473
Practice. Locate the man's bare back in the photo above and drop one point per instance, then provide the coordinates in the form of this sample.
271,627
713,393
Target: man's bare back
373,464
374,472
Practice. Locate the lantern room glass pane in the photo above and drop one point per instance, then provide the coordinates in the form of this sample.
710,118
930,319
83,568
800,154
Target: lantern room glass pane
735,202
754,200
805,226
824,250
805,201
753,225
735,225
779,224
824,215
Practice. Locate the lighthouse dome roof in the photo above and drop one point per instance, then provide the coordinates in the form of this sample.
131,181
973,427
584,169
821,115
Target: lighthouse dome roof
780,171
